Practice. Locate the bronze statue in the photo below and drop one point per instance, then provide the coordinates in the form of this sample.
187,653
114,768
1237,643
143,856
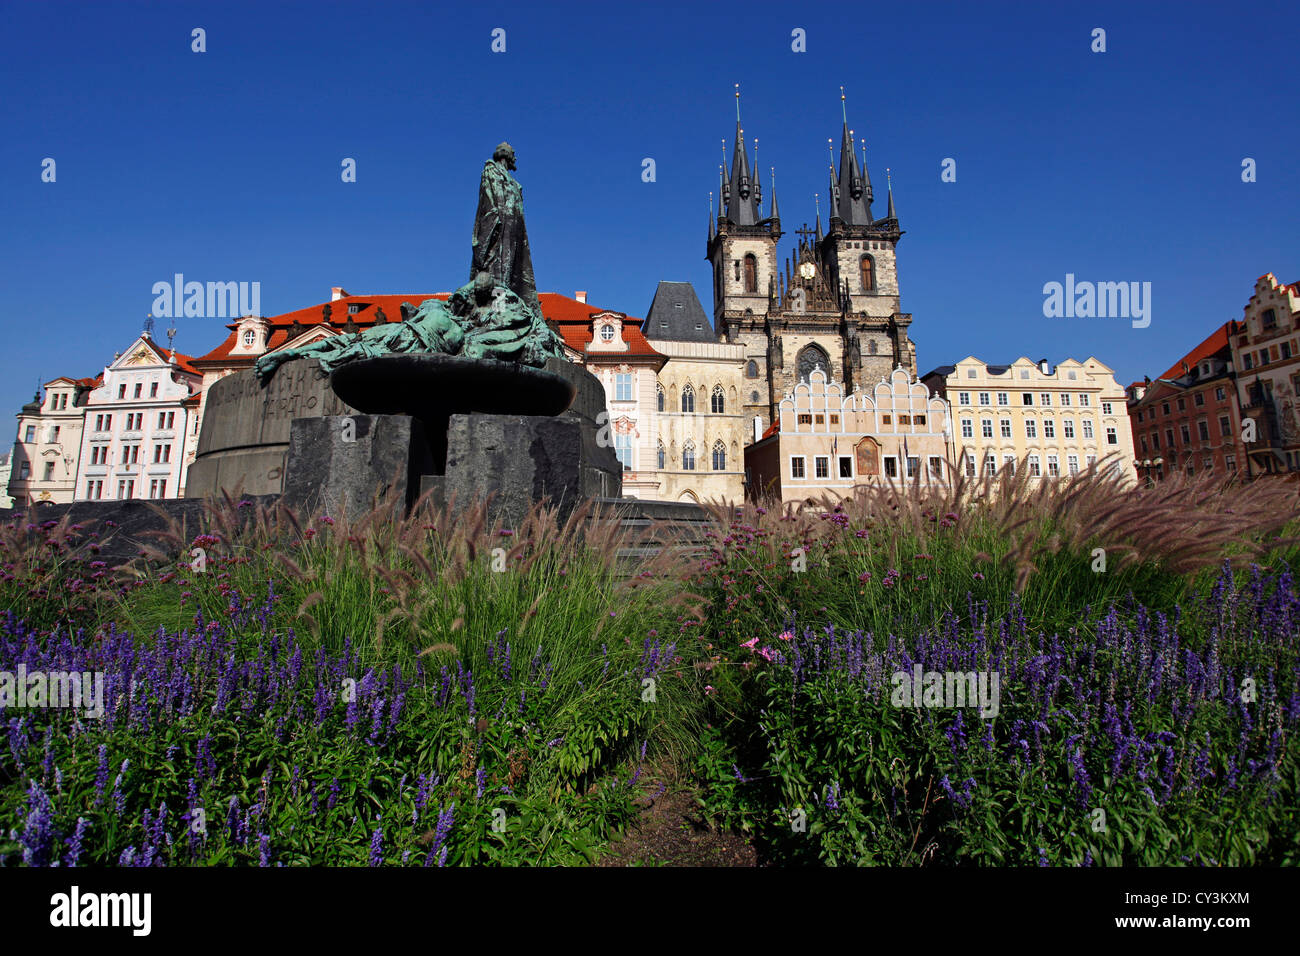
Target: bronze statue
496,315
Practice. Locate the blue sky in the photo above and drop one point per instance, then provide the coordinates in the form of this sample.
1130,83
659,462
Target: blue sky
225,165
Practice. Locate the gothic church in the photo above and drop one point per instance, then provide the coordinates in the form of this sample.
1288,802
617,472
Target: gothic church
835,304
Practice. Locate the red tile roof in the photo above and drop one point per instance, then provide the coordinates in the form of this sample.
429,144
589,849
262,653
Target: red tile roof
772,429
1214,342
182,361
571,318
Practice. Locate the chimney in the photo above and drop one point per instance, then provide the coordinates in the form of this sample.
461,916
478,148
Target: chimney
758,429
581,296
1043,367
337,293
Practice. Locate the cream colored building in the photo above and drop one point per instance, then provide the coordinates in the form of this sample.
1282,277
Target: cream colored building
46,450
1056,421
824,442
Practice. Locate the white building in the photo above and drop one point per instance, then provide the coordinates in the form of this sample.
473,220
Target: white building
133,443
43,465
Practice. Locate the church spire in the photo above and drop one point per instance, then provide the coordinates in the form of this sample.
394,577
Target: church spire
741,194
776,213
853,199
817,201
712,222
889,186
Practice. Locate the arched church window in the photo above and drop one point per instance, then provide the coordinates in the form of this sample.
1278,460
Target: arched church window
753,398
872,347
663,457
719,456
751,273
688,456
717,403
751,370
868,268
660,390
688,399
811,358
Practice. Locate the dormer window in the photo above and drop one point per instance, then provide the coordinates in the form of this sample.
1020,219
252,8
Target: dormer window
250,337
607,333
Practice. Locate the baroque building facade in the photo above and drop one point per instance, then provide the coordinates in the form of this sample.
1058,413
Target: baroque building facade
45,453
1053,422
1266,356
836,303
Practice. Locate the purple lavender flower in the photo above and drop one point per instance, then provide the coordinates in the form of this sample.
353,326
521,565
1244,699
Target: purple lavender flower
377,846
76,842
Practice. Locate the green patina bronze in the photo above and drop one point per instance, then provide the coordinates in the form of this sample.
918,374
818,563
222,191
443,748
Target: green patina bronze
496,315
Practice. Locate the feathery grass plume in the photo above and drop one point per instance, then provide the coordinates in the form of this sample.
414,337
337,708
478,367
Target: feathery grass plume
439,649
295,570
311,600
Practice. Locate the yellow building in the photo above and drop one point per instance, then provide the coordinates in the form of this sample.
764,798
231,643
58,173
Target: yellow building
1057,421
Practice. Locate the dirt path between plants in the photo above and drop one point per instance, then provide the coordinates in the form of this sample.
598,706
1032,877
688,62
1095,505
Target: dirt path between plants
671,831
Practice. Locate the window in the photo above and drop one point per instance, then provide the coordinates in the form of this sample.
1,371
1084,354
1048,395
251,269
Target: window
1269,319
1049,428
835,419
891,466
166,419
29,435
753,398
963,398
846,466
24,470
796,466
970,465
1246,362
984,398
1065,397
716,402
623,387
623,449
158,488
688,399
607,333
990,465
49,471
1026,398
967,428
1034,470
1199,399
1084,400
1187,434
986,427
819,419
1203,429
1224,426
121,391
1112,438
1106,407
1286,350
1053,467
126,488
1045,398
1068,427
1139,416
751,273
137,390
1208,463
688,457
130,454
913,463
886,419
904,419
1091,460
971,373
1182,405
936,466
162,453
1230,461
1004,398
54,433
1009,465
1031,428
867,268
822,466
1169,438
804,418
1219,394
95,490
1072,463
751,370
1087,428
660,396
719,456
1006,427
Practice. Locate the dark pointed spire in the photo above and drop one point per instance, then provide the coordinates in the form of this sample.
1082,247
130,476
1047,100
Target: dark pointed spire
776,213
741,196
712,222
889,186
818,203
852,204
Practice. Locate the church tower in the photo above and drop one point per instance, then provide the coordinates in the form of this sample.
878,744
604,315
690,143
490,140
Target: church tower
835,306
